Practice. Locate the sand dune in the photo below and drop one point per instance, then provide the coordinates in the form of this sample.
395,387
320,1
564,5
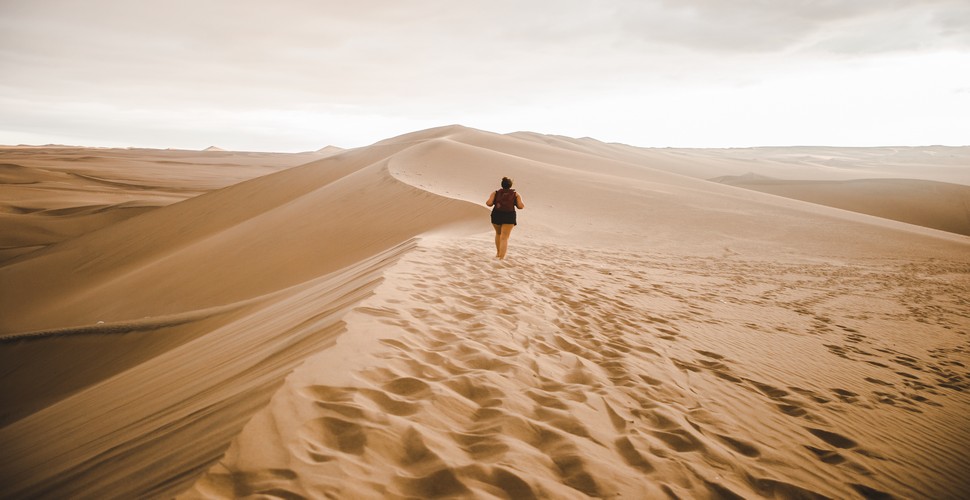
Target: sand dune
269,233
575,373
55,194
933,204
936,163
337,327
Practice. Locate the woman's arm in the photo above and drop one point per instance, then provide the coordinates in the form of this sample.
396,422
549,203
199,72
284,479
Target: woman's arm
491,200
518,201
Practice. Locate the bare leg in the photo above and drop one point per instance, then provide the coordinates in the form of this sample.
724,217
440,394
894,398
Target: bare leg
503,239
498,240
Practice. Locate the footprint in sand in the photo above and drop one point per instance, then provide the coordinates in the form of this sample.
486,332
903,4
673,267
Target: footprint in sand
814,396
679,440
846,396
410,387
668,334
830,457
768,390
632,456
744,448
336,434
832,438
876,381
483,446
391,405
871,493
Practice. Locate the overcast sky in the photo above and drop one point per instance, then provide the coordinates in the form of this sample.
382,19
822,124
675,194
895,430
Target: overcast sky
296,75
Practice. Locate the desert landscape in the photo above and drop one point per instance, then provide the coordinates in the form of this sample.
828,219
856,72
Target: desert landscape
669,323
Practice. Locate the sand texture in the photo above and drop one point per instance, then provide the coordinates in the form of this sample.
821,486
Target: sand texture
336,326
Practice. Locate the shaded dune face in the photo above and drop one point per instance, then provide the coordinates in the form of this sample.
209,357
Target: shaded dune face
293,224
337,327
246,281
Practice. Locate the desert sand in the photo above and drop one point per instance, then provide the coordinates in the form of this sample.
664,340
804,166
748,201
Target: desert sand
334,324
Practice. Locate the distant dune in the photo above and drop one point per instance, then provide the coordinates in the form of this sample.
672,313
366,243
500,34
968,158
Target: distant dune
334,324
330,150
54,194
933,204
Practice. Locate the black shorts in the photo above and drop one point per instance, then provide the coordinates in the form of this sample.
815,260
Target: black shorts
500,218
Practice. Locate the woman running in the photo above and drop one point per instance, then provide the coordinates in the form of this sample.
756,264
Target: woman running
503,203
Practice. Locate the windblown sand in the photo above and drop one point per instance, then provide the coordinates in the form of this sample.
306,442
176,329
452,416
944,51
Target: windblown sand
338,326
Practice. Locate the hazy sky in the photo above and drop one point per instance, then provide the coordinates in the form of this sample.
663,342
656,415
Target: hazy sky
292,75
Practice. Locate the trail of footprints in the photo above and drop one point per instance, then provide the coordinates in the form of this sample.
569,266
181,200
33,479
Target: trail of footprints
578,351
920,379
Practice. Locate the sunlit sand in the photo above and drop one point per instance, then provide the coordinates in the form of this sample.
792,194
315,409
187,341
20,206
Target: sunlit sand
333,324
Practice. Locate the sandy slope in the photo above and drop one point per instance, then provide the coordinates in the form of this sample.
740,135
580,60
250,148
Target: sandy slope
933,204
573,372
268,233
925,186
48,195
251,278
652,334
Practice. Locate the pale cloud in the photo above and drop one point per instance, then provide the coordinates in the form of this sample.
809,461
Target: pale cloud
770,26
300,74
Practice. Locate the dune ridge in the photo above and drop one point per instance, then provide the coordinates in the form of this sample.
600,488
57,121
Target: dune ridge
144,430
140,255
339,327
249,324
